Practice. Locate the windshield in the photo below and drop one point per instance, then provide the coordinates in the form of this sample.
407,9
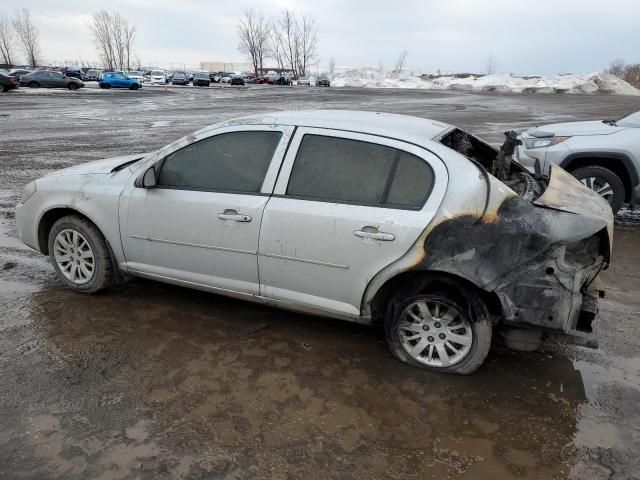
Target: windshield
632,120
157,73
134,73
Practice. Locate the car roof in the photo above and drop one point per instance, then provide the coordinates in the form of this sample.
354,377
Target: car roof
401,127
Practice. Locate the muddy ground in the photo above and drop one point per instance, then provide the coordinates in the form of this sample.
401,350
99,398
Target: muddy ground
154,381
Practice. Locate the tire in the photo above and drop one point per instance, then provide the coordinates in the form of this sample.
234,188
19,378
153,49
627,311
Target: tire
597,178
5,88
34,85
90,242
455,315
72,86
134,86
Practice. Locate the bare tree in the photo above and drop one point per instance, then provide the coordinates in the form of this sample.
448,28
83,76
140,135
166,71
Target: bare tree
254,32
307,33
28,35
402,58
113,36
275,45
129,33
629,73
6,40
332,66
616,67
490,65
293,41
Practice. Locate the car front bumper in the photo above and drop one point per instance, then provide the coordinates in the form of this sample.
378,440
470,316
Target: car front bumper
27,222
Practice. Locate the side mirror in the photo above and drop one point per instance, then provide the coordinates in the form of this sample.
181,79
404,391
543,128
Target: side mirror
148,179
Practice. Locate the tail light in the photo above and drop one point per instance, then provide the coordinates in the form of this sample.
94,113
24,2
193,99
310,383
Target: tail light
12,80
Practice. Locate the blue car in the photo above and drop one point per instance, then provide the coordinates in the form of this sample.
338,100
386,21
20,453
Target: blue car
119,80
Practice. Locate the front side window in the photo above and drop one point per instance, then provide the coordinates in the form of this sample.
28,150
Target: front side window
342,170
235,162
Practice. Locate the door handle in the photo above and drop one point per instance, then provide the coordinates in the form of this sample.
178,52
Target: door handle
234,216
374,234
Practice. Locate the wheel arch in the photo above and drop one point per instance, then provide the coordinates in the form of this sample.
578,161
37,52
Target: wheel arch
619,163
421,281
50,217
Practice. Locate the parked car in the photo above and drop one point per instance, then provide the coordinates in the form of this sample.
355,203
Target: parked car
263,80
135,75
237,80
215,77
323,81
201,79
119,80
158,77
180,78
604,155
18,72
75,72
226,78
282,80
47,79
92,75
304,82
431,245
7,83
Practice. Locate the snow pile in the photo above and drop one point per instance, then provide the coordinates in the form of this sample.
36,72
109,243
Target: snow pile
596,82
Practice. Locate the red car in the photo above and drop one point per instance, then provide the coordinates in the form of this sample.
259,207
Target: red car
267,80
7,83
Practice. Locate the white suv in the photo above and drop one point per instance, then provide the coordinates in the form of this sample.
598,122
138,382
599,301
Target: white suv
362,216
602,154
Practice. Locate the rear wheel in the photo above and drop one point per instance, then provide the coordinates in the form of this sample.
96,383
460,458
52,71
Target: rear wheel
80,255
439,331
34,85
604,182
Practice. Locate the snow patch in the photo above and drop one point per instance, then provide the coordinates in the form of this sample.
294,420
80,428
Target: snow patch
596,82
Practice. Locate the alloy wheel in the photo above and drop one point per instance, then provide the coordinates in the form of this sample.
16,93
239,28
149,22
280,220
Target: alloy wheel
600,186
74,256
435,333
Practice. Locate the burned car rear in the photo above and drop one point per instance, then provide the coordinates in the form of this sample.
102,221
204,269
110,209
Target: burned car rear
538,251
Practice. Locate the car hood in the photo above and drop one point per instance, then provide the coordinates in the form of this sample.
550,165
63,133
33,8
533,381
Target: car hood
572,129
567,194
105,166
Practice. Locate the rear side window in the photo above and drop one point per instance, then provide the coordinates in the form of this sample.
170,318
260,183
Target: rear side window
412,182
342,170
235,162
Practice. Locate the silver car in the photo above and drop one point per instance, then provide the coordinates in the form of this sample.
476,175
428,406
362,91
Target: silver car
602,154
368,217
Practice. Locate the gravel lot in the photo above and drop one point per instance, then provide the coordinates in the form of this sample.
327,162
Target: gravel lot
154,381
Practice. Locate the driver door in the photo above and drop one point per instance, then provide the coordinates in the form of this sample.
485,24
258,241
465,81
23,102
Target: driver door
200,225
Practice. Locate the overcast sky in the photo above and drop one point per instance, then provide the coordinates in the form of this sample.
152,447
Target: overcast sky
526,36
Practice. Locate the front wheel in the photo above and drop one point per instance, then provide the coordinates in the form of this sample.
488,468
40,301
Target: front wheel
604,182
439,331
80,255
72,86
134,86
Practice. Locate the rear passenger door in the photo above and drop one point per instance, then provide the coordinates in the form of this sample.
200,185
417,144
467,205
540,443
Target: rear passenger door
345,206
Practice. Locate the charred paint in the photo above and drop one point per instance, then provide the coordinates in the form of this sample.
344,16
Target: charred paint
516,254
